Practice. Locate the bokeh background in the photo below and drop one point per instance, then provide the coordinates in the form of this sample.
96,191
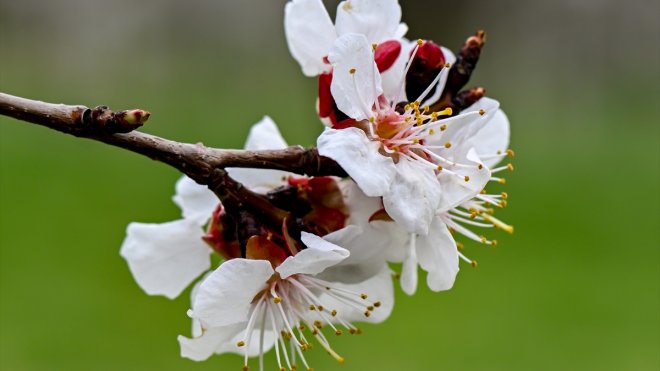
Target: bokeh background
576,287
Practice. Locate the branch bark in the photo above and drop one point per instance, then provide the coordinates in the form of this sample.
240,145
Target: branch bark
195,160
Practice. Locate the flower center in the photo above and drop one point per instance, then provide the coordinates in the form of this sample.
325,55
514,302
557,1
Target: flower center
298,308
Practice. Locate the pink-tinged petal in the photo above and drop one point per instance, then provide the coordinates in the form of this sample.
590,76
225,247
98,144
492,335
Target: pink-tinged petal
309,34
225,296
378,20
438,256
378,288
196,201
355,78
493,137
409,267
165,258
319,255
413,196
263,135
360,158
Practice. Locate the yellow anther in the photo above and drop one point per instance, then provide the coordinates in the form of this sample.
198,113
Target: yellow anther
302,327
473,215
447,111
406,107
447,65
370,308
509,167
352,71
312,307
443,127
502,181
367,314
481,166
320,308
483,191
338,332
240,343
499,152
372,119
318,324
460,245
483,239
245,368
505,195
502,203
277,300
420,121
377,304
482,112
448,145
374,46
493,243
364,296
439,168
427,108
420,42
467,178
510,153
333,313
352,331
396,275
431,132
473,263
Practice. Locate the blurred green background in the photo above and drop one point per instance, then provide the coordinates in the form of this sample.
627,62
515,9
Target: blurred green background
576,287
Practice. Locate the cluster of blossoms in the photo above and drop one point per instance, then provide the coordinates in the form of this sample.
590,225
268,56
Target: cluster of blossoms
315,260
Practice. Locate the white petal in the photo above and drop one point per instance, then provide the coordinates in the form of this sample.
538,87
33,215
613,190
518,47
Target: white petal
196,201
224,297
360,158
493,137
464,126
366,253
438,256
454,189
309,34
378,288
409,268
263,135
165,258
213,340
378,20
413,196
319,255
360,206
355,79
393,88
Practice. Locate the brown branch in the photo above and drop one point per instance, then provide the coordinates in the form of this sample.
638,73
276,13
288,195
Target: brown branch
204,165
194,160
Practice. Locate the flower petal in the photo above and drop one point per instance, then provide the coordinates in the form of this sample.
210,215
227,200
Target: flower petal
366,255
355,79
378,288
225,296
393,88
413,196
263,135
196,201
438,256
211,341
493,137
360,158
165,258
466,181
378,20
409,268
319,255
309,34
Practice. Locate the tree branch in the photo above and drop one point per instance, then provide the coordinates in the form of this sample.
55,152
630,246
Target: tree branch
195,160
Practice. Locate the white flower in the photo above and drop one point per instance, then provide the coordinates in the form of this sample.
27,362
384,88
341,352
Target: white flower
437,253
247,306
310,33
418,161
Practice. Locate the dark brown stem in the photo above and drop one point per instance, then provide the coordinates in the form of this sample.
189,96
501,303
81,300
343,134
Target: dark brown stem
461,71
202,164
